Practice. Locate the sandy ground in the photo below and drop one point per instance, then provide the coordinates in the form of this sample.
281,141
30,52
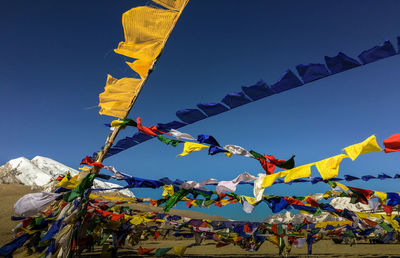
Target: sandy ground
325,248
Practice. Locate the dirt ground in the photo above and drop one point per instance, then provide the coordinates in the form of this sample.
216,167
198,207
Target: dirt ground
325,248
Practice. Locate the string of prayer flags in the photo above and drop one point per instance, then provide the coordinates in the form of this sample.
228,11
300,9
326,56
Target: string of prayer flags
190,147
392,144
367,146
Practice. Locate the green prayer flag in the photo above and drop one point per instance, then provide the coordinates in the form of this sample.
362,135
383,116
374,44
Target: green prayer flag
257,155
317,212
167,141
386,226
162,251
175,198
288,164
86,183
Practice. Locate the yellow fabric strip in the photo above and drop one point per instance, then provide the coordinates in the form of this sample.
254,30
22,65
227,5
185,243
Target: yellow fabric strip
333,223
116,123
171,4
189,147
329,167
270,179
344,188
140,66
112,198
250,200
381,196
145,30
179,250
298,172
85,169
367,146
168,190
69,184
118,95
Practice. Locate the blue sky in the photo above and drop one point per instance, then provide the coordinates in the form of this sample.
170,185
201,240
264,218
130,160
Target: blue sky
55,56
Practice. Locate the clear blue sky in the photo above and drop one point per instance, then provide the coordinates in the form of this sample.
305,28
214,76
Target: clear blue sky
55,55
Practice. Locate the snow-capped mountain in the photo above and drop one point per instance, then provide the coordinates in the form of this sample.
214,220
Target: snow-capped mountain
288,217
41,172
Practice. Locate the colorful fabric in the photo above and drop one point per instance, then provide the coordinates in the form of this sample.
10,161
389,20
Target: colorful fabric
215,150
392,143
118,96
31,204
121,123
7,249
168,141
237,150
179,250
151,131
190,147
367,146
230,186
329,168
162,251
89,161
298,172
178,135
204,138
85,184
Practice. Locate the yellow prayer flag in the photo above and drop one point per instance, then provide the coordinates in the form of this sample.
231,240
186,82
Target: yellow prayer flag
168,190
333,223
69,183
146,30
344,188
179,250
136,220
140,66
118,95
116,123
189,147
85,169
381,196
250,200
367,146
298,172
270,179
329,167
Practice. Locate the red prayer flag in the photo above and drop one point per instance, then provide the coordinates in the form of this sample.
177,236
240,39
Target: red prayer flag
392,143
142,250
267,166
89,161
388,209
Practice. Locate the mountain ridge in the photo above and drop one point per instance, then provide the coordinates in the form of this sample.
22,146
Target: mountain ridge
41,173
